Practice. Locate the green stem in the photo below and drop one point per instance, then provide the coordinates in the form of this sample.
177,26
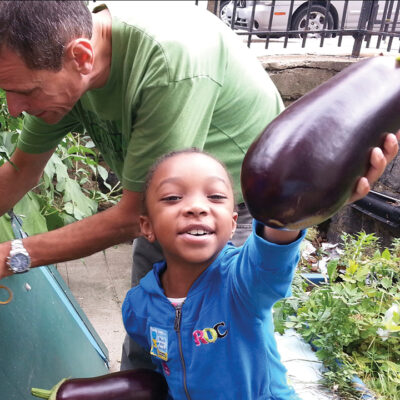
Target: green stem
41,393
47,394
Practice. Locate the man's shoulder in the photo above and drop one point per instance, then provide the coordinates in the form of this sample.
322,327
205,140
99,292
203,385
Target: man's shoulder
154,18
171,27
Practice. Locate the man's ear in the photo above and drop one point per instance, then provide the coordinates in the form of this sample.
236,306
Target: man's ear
146,228
234,222
80,52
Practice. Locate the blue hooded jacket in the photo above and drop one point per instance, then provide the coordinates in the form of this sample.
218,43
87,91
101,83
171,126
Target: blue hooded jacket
220,344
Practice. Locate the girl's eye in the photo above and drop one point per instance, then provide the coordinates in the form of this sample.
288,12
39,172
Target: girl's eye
171,198
217,197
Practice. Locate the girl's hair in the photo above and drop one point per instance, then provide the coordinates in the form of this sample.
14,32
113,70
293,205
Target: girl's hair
171,154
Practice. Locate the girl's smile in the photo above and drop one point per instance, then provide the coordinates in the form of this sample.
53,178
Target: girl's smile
190,207
196,232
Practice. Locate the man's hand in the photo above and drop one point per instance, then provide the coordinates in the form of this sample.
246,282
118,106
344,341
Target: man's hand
5,273
379,160
4,253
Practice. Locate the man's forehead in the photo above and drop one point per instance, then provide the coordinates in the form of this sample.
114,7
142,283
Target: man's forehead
14,74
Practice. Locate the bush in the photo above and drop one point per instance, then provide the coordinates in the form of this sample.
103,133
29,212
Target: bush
354,321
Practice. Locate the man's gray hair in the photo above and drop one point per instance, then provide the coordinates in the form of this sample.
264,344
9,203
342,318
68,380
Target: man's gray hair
38,31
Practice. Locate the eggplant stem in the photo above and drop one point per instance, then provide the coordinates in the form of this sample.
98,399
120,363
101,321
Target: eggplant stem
41,393
48,394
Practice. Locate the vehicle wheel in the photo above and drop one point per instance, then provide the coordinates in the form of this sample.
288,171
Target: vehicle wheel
223,12
315,21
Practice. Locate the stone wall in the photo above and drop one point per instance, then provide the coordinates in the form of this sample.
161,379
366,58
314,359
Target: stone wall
295,76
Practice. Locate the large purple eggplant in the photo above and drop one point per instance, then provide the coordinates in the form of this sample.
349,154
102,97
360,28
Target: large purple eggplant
304,166
138,384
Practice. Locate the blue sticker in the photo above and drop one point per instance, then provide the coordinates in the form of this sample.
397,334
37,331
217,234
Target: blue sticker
159,343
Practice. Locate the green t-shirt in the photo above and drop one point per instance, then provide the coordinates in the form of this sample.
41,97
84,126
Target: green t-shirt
177,80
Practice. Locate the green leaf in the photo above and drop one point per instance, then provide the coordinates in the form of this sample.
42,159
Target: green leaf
361,274
90,144
54,221
352,268
69,208
55,167
386,282
79,205
322,354
28,208
102,172
377,254
386,254
67,219
6,232
80,149
332,270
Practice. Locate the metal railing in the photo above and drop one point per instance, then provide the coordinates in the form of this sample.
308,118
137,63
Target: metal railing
322,19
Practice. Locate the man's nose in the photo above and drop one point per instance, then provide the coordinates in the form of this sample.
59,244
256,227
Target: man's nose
16,104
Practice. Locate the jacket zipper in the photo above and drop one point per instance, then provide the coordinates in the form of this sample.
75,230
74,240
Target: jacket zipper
177,327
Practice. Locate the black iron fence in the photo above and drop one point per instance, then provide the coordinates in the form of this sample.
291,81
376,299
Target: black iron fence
367,22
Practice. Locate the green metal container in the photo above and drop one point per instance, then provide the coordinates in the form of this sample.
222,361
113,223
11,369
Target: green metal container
44,335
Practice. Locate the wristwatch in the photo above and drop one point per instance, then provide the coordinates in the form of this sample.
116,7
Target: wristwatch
18,261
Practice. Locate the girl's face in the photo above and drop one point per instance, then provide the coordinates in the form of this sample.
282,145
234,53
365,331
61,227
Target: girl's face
190,209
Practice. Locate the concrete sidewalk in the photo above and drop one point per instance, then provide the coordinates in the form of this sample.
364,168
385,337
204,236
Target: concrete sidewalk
99,283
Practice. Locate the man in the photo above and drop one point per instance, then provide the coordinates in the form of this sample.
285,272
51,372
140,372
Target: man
140,85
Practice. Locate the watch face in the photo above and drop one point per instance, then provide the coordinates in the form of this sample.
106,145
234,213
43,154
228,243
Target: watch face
19,263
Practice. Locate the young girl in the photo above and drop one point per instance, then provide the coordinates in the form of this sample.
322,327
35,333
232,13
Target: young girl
205,313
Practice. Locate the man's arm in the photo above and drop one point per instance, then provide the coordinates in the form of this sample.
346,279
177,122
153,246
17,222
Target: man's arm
20,176
82,238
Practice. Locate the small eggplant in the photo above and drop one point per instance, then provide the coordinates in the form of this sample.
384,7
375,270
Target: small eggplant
304,166
137,384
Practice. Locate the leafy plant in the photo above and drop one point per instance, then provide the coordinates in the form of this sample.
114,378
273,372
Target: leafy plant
354,321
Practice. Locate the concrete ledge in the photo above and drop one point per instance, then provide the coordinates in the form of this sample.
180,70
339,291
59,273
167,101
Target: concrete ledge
296,75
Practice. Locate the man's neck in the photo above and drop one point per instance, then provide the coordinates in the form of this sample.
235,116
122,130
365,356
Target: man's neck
101,40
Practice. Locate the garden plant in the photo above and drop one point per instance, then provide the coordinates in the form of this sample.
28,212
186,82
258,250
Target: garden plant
353,319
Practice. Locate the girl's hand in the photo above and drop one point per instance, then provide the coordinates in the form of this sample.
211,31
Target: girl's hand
379,159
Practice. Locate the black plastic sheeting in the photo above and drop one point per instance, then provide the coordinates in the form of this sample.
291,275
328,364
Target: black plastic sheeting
383,208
